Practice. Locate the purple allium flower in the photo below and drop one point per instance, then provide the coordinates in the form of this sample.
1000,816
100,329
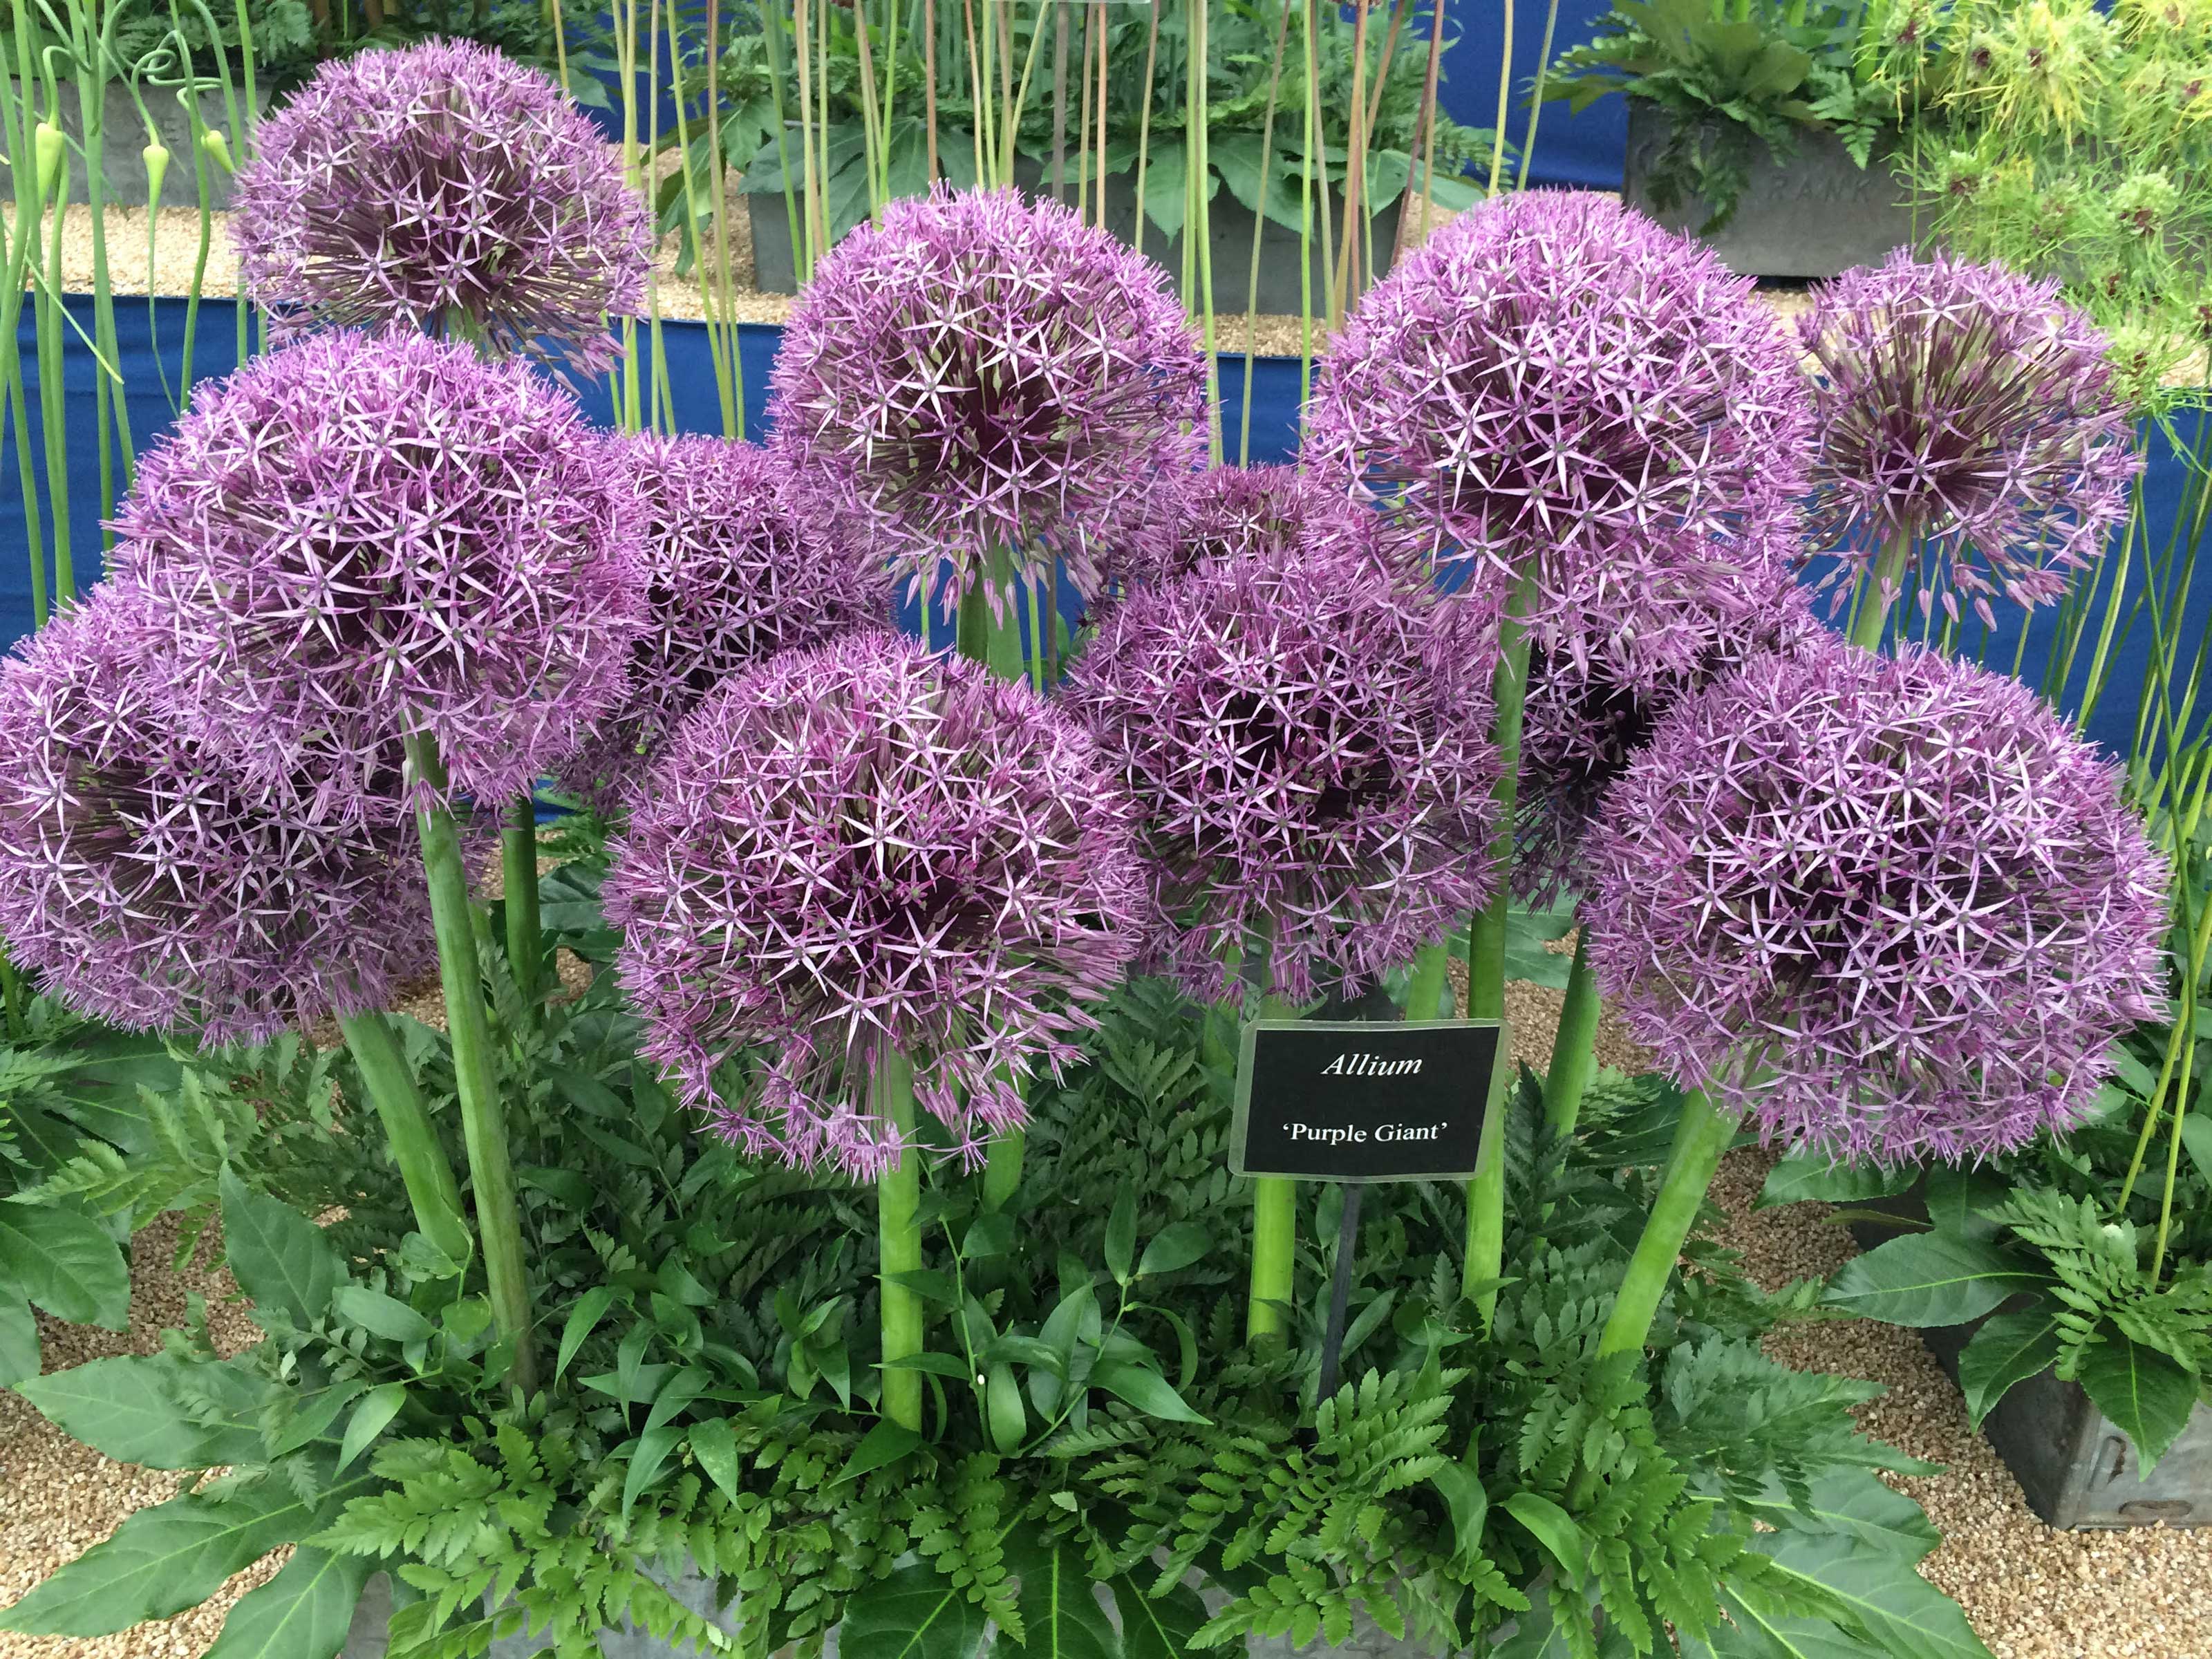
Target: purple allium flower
859,846
441,186
151,884
359,538
1553,386
1589,710
1973,409
741,562
1230,512
984,375
1308,743
1895,909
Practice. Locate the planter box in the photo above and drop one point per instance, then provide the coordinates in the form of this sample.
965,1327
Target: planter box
2077,1471
1816,214
123,135
1228,231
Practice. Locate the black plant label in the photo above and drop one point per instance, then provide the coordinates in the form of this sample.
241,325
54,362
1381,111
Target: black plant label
1350,1100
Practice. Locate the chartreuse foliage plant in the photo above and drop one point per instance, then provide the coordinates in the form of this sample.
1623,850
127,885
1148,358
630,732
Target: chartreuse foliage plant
1093,1421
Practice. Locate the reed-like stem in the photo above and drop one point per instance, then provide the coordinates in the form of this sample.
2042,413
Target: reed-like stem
483,1116
1424,989
1574,1051
1878,590
1274,1260
424,1169
898,1241
1702,1135
518,860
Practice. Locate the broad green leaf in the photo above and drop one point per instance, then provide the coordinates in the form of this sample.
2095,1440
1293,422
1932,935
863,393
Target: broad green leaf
1555,1529
1002,1400
883,1444
1061,1615
1144,1388
173,1556
1164,203
61,1260
1173,1248
280,1259
1527,933
2196,1138
915,1614
650,1455
316,1412
1956,1197
1469,1504
1901,1613
304,1613
1858,1504
2010,1348
1931,1278
383,1315
714,1444
989,1236
2146,1394
127,1408
1157,1626
1807,1177
583,1319
1758,1632
1121,1236
370,1419
19,1338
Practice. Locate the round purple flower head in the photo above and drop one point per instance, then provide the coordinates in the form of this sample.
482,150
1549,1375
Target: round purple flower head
858,846
1555,386
151,884
741,562
1893,907
983,375
1973,412
446,187
1308,742
1589,711
1230,512
360,538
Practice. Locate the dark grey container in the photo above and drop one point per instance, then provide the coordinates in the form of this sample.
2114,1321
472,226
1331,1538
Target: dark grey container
2077,1470
124,141
1815,214
1229,227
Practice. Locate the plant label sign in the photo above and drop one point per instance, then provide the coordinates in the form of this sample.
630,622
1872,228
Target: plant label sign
1357,1100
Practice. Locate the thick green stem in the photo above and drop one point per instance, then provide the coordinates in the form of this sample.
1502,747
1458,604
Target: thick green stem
518,859
1485,955
1701,1136
1002,1171
483,1121
898,1201
1274,1259
11,992
428,1177
1425,989
1574,1053
1881,587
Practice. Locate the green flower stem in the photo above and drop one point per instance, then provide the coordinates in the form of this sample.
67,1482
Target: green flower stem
518,858
11,992
1878,590
1274,1259
1574,1052
1425,991
1485,953
1701,1136
898,1201
483,1122
424,1168
1002,1169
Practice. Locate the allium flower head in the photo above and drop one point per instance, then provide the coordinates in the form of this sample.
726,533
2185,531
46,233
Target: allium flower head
357,538
1895,908
980,375
1308,747
1230,512
741,562
1589,710
151,884
441,186
1972,410
1555,386
858,847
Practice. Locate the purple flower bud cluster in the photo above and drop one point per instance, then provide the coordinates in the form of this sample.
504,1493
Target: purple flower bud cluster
1894,908
856,848
152,883
1972,411
983,377
442,187
1308,743
1554,387
358,538
741,561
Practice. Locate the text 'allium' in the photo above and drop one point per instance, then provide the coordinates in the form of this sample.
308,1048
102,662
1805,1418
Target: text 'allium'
857,848
151,884
1308,743
442,187
359,538
1894,908
1969,411
1554,387
983,377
